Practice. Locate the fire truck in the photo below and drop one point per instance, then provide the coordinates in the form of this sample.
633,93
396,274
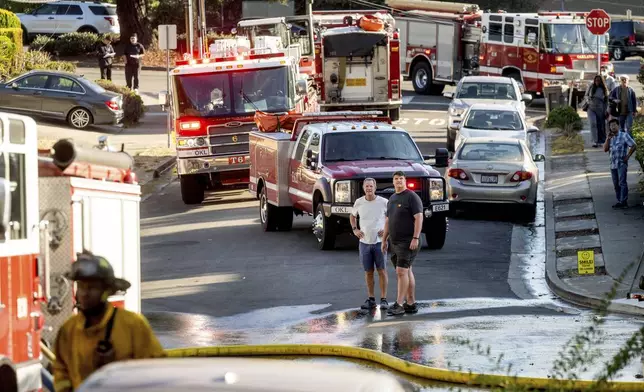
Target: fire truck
445,41
212,102
55,205
356,57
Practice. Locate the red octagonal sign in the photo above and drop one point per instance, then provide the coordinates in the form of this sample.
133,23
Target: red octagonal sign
598,22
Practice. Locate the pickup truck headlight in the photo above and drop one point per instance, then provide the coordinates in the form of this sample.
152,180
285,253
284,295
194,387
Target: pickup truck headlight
343,192
436,189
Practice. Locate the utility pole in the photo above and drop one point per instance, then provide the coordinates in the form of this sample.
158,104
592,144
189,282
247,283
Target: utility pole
203,42
190,39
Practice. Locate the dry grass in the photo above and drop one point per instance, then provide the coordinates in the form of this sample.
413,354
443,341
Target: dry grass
567,144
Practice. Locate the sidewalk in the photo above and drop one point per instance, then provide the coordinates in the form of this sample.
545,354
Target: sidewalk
579,216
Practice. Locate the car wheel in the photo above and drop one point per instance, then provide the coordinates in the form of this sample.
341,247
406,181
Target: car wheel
618,53
79,118
87,29
324,229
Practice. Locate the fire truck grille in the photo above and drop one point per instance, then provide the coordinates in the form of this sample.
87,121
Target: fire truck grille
590,66
230,138
238,148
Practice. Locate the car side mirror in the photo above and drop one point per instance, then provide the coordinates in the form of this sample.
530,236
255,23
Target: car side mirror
441,157
449,95
539,158
532,129
14,86
301,88
526,97
5,206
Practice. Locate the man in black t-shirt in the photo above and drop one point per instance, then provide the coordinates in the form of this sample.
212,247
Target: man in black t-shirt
134,51
403,225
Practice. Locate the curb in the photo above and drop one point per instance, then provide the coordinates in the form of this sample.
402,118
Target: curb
122,66
558,286
164,167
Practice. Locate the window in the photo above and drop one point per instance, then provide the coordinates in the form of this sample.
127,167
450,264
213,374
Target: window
18,213
16,132
495,120
69,9
496,31
508,33
491,152
315,143
482,90
33,81
47,9
531,30
300,35
371,145
64,84
102,11
301,145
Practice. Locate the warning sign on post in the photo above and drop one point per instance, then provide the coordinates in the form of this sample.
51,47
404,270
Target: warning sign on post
586,262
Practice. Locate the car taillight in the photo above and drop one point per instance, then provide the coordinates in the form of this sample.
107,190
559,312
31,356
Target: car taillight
521,176
114,105
631,39
459,174
109,19
413,183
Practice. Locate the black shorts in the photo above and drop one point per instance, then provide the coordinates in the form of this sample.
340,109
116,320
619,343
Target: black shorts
401,255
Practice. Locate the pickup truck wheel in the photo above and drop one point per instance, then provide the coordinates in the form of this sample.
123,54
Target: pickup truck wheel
435,232
324,229
267,213
192,192
285,219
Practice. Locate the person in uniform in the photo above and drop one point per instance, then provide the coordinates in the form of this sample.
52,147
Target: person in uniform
99,333
134,51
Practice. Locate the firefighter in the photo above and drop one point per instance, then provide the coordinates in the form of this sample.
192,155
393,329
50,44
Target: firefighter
99,333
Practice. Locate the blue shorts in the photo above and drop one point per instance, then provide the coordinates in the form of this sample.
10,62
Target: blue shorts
371,255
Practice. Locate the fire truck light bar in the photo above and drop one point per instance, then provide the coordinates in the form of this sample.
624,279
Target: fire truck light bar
345,113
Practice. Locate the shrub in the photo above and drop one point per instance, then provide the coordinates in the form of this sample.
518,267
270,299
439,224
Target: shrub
44,43
14,34
64,66
7,50
133,107
9,20
33,59
76,43
565,118
638,135
640,75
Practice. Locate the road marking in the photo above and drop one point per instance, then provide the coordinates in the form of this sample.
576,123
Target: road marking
437,122
184,286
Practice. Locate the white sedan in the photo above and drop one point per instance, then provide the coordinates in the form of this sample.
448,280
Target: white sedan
492,121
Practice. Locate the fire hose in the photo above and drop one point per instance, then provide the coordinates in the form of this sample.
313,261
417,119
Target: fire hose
406,367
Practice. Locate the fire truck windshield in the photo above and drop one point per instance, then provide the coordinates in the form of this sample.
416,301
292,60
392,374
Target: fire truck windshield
234,93
570,39
369,145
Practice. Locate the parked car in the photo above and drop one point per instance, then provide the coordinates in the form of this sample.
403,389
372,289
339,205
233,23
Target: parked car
62,17
61,95
483,89
494,170
490,120
235,374
626,38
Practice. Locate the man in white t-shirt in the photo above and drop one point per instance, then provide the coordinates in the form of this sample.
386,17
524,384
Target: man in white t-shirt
372,210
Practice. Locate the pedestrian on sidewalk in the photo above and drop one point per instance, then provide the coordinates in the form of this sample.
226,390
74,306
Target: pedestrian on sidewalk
608,80
105,55
597,98
624,96
403,225
134,52
371,210
621,146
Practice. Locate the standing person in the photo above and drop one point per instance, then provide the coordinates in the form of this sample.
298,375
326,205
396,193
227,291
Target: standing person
608,80
621,146
372,210
105,56
403,225
134,51
624,96
99,333
597,95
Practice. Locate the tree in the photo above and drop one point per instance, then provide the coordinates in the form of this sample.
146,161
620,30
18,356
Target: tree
133,18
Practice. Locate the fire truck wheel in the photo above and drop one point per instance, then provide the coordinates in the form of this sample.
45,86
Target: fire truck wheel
394,114
8,378
192,191
422,78
435,232
324,229
79,118
268,213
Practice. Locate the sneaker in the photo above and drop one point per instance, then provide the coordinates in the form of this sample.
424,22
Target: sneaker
622,206
410,308
384,304
369,304
395,310
617,205
136,91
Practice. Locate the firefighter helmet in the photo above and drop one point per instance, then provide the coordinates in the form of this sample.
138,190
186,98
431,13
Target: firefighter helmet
91,267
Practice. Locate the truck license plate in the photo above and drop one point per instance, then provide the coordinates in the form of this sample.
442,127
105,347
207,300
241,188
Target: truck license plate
236,160
341,210
440,207
359,82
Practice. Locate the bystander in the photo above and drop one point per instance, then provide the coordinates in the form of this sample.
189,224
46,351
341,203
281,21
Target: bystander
621,146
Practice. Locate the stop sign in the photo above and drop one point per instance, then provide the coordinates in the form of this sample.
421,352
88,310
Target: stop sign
598,22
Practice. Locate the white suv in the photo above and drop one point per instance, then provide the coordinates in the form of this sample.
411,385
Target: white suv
481,89
62,17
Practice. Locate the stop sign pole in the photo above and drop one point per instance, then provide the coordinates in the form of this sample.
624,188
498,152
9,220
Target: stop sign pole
598,23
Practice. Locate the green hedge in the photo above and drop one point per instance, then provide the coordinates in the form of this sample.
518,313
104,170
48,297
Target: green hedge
30,60
9,20
7,51
71,44
563,117
638,135
15,35
133,106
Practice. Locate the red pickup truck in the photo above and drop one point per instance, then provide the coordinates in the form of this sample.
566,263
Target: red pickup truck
315,163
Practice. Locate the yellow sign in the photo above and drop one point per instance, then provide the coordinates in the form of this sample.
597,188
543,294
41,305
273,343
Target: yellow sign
585,262
361,82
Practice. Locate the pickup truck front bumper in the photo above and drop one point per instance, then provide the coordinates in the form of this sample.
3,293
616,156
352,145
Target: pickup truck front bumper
344,210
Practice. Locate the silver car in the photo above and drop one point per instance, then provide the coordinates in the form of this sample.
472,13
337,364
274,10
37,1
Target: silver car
497,171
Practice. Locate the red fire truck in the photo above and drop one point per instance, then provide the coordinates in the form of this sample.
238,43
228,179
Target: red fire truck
54,206
445,41
212,102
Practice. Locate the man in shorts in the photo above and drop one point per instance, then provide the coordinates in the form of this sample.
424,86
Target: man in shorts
403,225
371,209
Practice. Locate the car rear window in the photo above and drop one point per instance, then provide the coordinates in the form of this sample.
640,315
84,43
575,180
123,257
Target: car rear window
494,120
88,84
492,152
486,90
102,10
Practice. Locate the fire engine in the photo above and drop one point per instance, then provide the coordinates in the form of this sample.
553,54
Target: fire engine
445,41
55,205
212,102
